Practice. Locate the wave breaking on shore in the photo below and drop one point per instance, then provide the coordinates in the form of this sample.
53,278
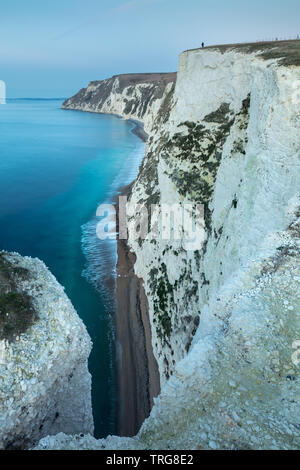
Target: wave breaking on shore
101,255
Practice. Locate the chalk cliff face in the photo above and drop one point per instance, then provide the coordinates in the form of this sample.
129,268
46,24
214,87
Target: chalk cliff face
132,96
45,386
230,143
225,316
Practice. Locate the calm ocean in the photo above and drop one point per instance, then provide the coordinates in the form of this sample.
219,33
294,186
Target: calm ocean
55,168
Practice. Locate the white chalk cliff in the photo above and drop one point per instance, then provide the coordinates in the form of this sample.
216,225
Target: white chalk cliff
225,318
45,386
132,96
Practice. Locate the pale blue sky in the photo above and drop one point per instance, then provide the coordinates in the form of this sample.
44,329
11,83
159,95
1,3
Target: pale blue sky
53,48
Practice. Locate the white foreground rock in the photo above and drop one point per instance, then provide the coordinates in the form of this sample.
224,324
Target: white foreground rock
45,386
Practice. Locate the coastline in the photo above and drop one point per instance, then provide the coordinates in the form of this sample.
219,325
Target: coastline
139,130
136,370
137,375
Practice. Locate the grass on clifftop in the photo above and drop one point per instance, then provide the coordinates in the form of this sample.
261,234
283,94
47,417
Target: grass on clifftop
16,310
287,52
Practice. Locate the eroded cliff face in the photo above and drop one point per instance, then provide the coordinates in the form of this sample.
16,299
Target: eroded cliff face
231,143
132,96
224,317
45,386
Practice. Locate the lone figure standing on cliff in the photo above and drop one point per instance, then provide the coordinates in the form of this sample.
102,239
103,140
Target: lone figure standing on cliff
202,44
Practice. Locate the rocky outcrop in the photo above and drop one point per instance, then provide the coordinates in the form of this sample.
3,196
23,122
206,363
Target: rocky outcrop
45,386
224,315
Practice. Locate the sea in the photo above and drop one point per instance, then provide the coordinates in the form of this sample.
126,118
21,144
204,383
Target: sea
56,167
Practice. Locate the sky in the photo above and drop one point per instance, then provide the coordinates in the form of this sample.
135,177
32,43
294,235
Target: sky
54,48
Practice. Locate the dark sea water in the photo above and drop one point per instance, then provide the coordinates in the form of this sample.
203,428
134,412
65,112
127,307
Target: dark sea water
55,168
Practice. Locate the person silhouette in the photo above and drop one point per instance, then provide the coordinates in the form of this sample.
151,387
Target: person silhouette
202,44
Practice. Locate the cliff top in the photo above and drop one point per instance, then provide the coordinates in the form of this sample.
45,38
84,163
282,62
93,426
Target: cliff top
131,79
288,52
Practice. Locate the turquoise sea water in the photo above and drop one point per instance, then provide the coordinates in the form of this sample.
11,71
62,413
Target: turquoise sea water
55,168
